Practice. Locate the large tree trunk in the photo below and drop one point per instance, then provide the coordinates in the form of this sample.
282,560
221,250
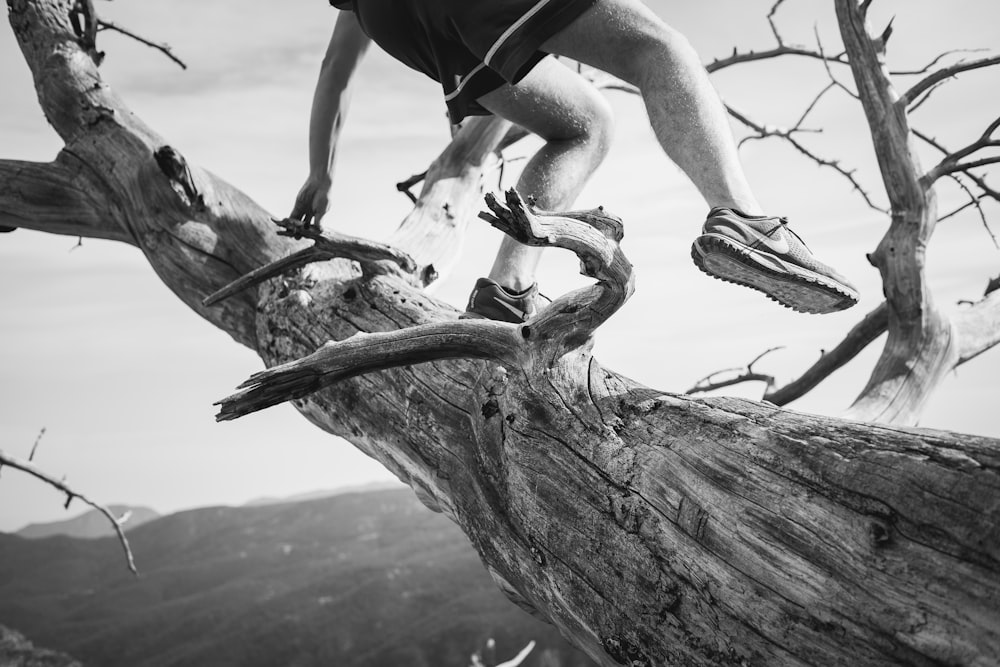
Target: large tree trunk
652,529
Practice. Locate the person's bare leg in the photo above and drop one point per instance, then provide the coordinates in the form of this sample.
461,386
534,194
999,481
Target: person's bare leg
576,122
626,39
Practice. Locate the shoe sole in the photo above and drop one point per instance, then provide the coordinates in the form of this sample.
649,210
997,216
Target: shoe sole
790,285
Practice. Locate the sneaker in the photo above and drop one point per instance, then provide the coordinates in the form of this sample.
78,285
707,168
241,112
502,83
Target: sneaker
763,253
492,302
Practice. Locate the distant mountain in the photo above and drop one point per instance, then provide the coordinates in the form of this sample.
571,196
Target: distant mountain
17,651
89,525
324,493
354,580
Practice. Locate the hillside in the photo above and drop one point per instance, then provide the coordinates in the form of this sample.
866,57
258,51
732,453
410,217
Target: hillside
89,525
17,651
367,580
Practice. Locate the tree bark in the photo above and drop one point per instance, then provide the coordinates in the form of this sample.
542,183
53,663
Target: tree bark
651,528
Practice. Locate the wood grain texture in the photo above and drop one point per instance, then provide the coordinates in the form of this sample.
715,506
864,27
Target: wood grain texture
652,529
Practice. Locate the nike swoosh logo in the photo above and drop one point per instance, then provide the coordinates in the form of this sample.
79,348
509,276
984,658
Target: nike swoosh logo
778,245
514,309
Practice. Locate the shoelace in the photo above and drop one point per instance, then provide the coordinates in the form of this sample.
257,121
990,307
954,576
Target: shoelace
784,223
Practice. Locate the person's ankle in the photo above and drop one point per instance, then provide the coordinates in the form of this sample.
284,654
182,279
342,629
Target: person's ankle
514,285
749,209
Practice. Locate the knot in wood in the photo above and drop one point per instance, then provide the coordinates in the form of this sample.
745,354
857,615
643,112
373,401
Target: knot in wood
491,408
625,652
536,553
880,535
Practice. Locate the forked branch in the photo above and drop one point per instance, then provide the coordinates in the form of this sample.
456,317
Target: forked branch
718,379
941,75
863,334
326,245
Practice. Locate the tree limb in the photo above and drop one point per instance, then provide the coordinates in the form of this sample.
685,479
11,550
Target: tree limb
741,375
369,352
979,326
327,245
60,485
858,338
56,197
908,97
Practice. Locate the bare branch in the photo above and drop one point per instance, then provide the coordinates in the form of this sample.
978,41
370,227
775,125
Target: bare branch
944,168
926,68
326,245
737,58
56,197
770,21
366,353
907,98
34,447
594,236
863,334
745,374
405,185
764,132
979,325
35,471
975,178
952,161
973,201
826,66
163,48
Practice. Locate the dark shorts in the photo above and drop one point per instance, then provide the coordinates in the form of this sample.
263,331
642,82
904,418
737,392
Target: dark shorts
471,47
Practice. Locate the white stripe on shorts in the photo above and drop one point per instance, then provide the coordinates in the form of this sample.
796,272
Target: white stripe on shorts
460,84
517,24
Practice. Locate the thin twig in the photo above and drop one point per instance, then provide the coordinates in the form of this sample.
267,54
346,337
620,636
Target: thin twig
764,132
770,21
942,74
163,48
404,186
975,178
826,66
973,201
926,68
34,447
743,374
35,471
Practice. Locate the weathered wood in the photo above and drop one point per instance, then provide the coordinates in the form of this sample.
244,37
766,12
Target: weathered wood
652,529
923,343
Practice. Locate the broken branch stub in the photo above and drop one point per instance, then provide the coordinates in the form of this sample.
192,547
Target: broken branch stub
373,257
594,236
370,352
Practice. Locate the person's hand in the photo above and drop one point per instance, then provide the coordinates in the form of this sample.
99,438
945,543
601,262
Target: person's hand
312,202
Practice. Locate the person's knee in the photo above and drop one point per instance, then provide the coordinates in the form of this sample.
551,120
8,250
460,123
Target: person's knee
655,48
600,128
588,123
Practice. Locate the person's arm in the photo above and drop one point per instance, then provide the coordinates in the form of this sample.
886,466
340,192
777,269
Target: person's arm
329,107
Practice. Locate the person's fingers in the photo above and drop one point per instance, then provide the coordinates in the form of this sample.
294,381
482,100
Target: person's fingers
303,206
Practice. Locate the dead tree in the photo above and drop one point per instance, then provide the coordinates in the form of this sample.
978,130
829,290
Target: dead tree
925,340
651,528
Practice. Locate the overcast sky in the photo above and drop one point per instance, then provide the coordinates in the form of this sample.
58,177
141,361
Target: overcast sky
122,376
